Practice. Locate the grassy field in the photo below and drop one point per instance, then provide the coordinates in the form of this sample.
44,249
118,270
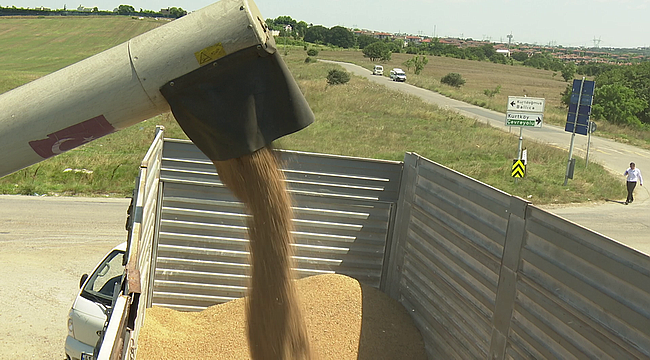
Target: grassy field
31,47
358,119
515,80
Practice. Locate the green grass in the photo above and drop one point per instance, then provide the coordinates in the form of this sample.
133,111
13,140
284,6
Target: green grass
515,80
33,46
368,120
359,118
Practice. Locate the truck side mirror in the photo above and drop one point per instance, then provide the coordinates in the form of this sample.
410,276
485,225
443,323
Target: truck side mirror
84,277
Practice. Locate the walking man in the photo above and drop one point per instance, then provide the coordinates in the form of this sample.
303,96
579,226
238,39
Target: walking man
633,176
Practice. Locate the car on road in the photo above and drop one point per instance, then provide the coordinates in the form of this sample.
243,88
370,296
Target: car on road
398,74
90,308
378,70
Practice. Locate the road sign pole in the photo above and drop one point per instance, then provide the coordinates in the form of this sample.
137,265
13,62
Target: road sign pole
521,141
588,143
573,134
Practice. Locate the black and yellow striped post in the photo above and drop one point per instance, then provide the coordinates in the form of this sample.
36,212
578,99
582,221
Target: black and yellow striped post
518,168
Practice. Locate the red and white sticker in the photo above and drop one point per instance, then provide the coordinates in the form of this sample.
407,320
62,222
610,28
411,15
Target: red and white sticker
71,137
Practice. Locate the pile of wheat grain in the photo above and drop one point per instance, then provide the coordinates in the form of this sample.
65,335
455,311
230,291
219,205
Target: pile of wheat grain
344,319
332,317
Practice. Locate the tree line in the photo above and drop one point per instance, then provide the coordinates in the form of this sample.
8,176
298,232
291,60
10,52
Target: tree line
622,93
174,12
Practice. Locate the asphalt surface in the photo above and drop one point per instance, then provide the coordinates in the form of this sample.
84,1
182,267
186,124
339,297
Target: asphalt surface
629,224
46,244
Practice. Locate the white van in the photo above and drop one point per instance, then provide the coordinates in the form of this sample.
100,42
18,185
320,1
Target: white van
89,310
378,70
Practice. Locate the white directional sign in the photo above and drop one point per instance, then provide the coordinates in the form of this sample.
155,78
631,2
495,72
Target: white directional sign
526,104
524,119
525,111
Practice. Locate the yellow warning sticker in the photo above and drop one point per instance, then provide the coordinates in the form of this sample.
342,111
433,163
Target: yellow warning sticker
210,53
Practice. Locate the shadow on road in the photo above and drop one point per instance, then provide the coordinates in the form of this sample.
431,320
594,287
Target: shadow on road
616,201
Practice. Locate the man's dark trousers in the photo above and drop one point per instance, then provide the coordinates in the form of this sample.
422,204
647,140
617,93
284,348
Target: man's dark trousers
630,189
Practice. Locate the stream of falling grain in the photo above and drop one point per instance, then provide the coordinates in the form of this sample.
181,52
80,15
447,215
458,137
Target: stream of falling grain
275,326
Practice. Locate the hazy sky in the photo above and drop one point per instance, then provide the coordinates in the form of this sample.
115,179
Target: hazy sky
618,23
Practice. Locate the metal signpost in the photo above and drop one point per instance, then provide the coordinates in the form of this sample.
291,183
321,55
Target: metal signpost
592,128
524,111
578,117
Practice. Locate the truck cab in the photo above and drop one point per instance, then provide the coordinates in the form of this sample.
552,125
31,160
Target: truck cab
89,310
398,74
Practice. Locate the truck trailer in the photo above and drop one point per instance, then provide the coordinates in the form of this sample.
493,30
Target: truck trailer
483,274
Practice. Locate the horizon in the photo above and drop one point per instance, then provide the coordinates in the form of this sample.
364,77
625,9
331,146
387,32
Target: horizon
579,23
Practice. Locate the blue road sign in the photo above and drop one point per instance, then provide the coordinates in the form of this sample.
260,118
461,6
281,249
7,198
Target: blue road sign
587,88
582,110
582,119
580,128
584,100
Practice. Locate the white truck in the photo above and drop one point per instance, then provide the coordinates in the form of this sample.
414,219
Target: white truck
88,314
398,74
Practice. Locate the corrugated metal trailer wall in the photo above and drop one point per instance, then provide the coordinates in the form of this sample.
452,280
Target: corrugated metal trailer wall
343,208
486,275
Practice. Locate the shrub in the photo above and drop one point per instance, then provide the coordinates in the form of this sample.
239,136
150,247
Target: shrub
491,93
309,60
312,52
453,79
336,76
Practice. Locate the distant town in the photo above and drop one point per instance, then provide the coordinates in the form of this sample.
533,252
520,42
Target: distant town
620,56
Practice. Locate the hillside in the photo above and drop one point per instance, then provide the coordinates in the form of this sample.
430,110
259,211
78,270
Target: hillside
31,47
356,119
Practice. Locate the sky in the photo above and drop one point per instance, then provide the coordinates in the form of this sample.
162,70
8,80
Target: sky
570,23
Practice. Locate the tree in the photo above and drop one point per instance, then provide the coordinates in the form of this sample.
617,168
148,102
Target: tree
125,10
417,62
395,46
340,36
377,51
300,29
618,104
569,71
365,40
498,58
316,34
177,12
519,55
635,77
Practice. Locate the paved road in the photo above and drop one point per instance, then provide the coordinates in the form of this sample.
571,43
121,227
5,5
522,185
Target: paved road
46,244
627,224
